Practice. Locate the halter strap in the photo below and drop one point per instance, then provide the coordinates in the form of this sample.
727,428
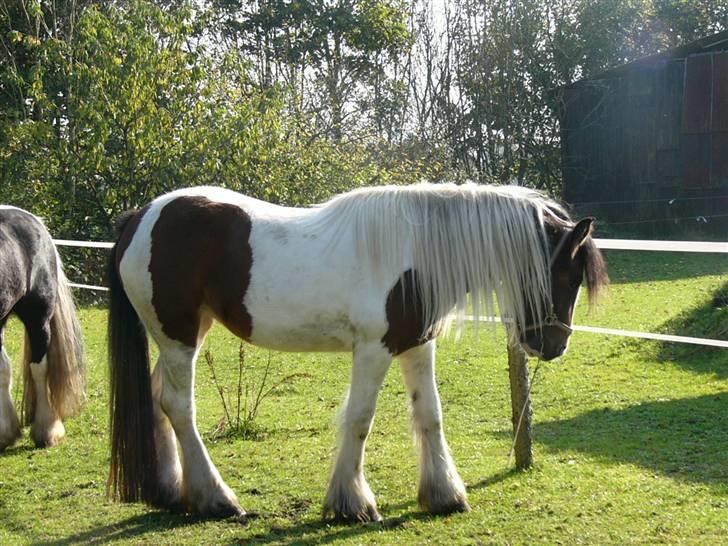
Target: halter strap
550,320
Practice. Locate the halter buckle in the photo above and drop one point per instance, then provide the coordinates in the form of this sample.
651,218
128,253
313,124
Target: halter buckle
550,320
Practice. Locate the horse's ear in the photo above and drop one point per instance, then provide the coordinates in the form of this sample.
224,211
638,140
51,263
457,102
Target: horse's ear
581,231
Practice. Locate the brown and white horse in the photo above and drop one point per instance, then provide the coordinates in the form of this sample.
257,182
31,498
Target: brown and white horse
375,271
33,286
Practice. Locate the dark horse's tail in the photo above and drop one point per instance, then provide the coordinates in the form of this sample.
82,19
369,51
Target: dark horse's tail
133,475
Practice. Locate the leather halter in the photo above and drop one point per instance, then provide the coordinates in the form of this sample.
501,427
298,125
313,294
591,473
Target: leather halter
551,319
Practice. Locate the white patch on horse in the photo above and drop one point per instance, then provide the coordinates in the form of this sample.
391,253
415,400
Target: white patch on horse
318,298
47,429
134,267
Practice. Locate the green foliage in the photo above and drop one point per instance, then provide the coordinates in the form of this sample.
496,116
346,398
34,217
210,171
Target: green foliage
135,104
327,52
105,105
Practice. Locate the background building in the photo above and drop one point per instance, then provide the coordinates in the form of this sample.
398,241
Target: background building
645,145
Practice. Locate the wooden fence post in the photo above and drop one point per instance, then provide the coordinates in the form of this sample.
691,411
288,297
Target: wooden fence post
520,402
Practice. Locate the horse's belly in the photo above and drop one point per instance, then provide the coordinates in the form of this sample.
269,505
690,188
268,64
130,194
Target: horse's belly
316,334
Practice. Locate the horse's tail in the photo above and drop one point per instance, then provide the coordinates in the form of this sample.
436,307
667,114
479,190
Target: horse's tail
133,455
66,357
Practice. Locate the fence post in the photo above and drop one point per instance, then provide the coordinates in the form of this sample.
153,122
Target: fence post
520,401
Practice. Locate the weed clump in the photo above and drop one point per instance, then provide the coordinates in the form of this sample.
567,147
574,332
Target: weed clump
242,405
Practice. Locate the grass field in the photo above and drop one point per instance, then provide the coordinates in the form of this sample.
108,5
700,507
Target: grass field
631,438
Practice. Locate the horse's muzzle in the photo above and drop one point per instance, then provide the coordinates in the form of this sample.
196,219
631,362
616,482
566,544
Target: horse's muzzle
546,354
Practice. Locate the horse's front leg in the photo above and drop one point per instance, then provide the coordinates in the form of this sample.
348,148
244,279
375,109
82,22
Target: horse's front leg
46,429
9,424
441,490
349,496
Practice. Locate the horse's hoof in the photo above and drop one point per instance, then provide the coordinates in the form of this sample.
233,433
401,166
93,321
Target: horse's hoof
9,436
9,425
223,510
224,506
364,514
441,505
169,500
48,435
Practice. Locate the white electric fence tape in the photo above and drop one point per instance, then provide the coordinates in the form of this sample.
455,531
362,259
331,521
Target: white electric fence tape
86,244
659,337
628,333
661,246
88,286
605,244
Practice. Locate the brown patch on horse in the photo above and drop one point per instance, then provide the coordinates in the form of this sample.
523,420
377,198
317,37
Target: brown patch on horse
201,258
405,316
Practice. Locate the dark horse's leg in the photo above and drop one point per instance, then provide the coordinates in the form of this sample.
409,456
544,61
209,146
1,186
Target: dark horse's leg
9,424
46,427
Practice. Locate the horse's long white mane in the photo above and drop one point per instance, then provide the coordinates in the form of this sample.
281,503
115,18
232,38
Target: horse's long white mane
480,240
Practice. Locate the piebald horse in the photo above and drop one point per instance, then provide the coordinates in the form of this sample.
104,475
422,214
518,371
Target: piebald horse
377,271
33,286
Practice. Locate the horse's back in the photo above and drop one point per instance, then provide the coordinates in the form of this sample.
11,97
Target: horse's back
27,255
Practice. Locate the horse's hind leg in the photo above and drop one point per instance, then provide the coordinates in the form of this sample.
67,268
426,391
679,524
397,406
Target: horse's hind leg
46,428
169,468
9,424
349,496
203,490
441,491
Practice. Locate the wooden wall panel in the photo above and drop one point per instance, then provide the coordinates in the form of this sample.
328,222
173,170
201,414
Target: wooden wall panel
695,155
720,92
698,92
719,160
668,105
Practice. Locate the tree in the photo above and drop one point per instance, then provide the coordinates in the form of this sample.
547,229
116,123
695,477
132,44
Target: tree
333,55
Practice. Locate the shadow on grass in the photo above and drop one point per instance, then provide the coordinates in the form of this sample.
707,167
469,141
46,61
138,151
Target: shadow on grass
325,532
133,527
685,439
301,533
19,448
339,531
494,479
708,321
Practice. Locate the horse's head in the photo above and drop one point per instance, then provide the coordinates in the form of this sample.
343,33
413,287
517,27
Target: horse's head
573,258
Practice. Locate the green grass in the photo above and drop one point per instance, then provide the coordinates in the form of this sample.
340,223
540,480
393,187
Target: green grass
631,439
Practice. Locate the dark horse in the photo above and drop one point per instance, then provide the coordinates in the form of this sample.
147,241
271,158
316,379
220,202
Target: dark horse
376,272
33,286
